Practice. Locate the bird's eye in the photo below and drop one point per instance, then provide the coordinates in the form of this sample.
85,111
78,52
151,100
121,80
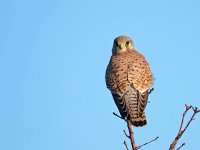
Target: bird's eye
127,42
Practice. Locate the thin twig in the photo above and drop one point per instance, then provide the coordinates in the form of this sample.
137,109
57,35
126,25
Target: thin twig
138,147
126,145
126,134
183,144
186,109
182,131
118,116
151,90
192,118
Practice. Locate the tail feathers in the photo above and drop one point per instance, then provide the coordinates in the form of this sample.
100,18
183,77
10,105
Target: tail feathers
139,121
130,111
131,106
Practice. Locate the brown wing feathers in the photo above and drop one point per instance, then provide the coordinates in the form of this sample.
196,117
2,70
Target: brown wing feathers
129,78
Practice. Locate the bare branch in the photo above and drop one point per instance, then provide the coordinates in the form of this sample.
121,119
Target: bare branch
118,116
183,144
151,90
186,109
126,145
174,142
126,134
181,130
138,147
131,135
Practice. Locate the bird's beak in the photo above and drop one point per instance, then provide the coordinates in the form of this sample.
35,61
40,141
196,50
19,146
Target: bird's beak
121,45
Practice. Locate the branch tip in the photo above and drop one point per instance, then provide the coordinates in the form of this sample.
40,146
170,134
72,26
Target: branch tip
151,90
118,116
138,147
126,145
183,144
181,130
126,134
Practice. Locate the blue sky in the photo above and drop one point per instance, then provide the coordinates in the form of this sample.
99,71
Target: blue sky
53,56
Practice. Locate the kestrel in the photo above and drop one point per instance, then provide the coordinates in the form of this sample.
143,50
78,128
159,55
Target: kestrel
129,78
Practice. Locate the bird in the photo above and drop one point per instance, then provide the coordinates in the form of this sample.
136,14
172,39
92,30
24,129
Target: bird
129,78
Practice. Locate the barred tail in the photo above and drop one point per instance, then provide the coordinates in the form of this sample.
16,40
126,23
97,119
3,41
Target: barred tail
131,106
139,121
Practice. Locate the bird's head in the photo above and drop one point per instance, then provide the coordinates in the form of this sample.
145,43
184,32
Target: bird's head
122,44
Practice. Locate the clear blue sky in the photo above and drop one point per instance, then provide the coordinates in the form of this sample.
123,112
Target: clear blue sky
53,56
